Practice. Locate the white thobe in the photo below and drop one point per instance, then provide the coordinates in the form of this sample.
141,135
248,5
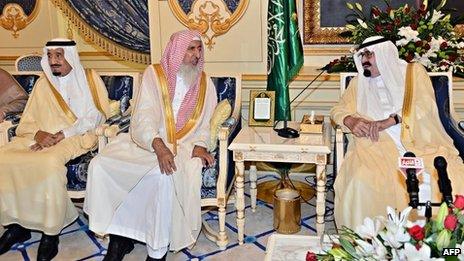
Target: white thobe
144,212
155,189
385,101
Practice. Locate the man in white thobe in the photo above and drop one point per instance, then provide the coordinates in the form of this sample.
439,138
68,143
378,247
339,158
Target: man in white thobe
54,128
146,186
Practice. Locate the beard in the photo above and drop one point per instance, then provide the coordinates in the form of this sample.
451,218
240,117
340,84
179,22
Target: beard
367,73
56,73
189,73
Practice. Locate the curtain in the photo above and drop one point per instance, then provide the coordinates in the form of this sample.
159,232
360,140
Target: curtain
118,26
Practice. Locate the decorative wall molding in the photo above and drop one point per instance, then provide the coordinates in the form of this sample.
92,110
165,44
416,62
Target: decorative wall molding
211,18
17,16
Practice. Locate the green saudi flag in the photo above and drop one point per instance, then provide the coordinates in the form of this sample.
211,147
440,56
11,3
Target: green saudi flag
284,54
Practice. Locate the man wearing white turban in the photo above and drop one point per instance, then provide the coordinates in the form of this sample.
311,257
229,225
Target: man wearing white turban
64,107
146,186
389,109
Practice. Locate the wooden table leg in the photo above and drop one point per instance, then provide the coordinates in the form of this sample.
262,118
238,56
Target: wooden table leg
240,200
320,198
253,190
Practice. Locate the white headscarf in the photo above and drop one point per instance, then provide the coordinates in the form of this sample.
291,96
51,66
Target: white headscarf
392,71
71,56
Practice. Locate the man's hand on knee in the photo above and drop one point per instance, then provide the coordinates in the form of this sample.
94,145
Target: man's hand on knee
359,127
45,139
165,157
202,153
59,136
36,147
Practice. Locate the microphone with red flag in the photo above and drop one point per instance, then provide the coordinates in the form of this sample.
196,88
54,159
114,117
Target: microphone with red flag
410,165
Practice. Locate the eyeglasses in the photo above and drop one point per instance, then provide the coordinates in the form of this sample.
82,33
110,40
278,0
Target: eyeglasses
368,54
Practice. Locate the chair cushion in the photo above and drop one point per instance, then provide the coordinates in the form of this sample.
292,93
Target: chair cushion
221,113
442,96
209,178
120,88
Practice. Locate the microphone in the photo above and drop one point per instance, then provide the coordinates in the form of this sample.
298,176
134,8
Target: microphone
444,182
412,184
286,131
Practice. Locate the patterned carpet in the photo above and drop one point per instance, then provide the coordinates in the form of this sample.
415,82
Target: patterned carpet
78,243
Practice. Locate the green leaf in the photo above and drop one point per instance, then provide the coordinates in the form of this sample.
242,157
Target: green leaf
461,219
443,211
339,253
348,247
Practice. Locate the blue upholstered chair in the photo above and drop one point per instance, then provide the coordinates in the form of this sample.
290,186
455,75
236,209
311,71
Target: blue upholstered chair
29,62
443,87
217,180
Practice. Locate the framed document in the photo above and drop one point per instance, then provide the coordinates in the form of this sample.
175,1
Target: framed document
261,108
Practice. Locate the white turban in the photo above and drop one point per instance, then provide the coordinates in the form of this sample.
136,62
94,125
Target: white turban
392,71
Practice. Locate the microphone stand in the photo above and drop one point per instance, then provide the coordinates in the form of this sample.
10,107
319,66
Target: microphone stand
286,131
428,208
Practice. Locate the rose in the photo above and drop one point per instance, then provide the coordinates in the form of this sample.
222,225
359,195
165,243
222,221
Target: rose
375,11
459,202
310,256
451,222
409,57
417,232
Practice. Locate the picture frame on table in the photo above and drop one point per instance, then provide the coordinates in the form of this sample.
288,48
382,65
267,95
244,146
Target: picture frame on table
262,104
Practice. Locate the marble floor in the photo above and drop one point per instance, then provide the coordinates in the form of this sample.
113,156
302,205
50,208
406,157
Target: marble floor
78,243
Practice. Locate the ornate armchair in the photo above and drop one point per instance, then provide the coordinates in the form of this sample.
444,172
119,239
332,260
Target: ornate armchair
217,180
120,86
443,87
29,62
27,80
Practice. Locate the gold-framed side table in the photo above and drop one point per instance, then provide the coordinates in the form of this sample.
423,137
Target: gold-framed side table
263,144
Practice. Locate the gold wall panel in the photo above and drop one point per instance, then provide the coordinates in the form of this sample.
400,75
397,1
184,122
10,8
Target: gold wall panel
14,18
211,18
